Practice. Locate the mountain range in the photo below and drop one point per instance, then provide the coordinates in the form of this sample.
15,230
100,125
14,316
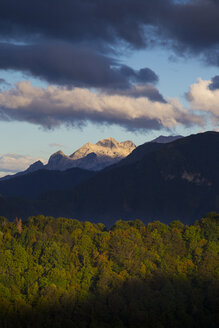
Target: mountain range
32,184
93,157
90,156
175,180
165,181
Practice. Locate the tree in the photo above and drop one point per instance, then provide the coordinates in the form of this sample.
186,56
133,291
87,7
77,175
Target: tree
18,223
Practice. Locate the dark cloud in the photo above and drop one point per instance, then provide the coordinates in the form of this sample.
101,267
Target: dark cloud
4,82
65,64
138,91
143,75
215,83
191,25
78,20
194,24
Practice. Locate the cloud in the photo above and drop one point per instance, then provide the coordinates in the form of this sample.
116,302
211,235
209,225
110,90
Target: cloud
78,20
143,75
186,26
53,106
205,99
76,65
215,83
4,82
12,163
139,90
193,24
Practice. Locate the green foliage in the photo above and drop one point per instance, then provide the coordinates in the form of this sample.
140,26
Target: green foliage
67,273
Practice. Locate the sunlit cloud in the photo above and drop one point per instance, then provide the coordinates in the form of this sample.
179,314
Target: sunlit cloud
53,106
205,99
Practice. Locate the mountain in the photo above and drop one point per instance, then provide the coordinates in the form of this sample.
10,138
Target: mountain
178,180
97,156
34,183
148,147
166,139
32,168
92,156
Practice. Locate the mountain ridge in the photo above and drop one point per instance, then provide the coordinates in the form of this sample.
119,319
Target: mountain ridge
178,180
38,165
34,183
166,139
104,153
92,156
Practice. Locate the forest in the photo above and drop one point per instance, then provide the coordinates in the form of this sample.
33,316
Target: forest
66,273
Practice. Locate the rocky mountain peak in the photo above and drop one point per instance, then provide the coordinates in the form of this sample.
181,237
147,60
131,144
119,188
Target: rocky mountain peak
59,152
57,160
36,166
57,156
108,143
128,144
92,156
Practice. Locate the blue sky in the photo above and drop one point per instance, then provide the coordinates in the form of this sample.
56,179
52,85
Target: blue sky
104,68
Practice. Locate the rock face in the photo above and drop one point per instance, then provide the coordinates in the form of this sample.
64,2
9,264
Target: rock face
92,156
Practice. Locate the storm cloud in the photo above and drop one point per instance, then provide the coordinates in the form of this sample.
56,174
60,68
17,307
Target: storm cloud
74,45
65,64
186,26
54,106
76,20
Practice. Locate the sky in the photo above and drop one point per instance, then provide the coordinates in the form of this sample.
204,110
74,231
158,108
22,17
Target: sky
77,71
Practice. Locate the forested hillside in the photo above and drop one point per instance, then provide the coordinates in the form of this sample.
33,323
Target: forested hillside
65,273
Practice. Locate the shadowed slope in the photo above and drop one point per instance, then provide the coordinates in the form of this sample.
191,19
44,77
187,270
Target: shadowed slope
156,181
179,179
32,184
